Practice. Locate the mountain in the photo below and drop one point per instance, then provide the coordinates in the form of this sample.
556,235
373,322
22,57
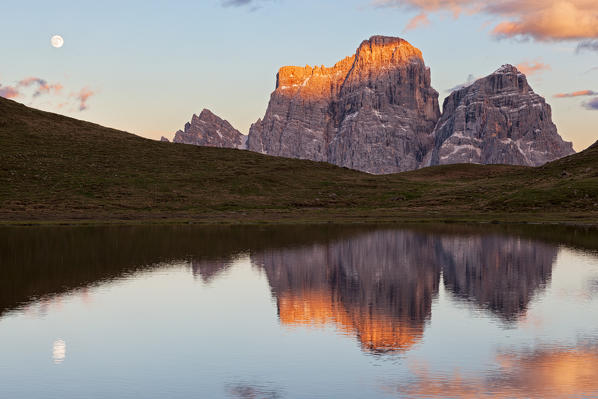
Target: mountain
55,168
373,111
209,130
497,120
377,112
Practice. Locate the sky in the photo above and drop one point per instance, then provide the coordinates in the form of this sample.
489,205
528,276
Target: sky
147,66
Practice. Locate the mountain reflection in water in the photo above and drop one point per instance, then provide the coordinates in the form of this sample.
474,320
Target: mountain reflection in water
378,285
492,311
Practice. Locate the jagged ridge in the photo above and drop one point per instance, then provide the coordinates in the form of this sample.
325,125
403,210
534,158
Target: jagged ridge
376,111
209,130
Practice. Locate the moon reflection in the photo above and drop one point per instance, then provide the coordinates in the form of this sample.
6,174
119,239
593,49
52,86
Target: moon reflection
58,351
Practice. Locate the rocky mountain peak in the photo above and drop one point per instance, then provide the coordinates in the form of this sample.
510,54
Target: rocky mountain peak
497,119
508,68
209,130
381,50
376,111
372,111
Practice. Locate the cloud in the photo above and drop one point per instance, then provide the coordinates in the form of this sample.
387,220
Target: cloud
547,20
418,20
544,373
456,7
252,4
533,67
82,96
468,82
236,3
56,99
592,105
9,92
43,87
542,20
590,45
580,93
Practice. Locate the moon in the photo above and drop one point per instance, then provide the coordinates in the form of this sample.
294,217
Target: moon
57,41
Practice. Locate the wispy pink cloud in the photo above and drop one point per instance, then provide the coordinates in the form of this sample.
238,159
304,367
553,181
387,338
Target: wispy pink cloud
84,95
43,87
9,92
547,20
542,20
417,21
580,93
532,67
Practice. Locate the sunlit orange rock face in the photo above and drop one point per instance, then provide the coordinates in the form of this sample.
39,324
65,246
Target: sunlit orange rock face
313,83
373,111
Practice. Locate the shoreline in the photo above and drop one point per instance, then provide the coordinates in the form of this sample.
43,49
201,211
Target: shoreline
306,220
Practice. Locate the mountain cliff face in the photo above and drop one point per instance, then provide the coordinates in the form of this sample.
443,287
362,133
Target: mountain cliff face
209,130
376,111
373,111
497,119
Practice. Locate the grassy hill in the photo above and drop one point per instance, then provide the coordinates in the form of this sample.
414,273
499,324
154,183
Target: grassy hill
54,168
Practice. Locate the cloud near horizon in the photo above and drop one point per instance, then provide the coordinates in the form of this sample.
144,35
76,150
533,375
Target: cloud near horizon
541,20
532,67
580,93
9,92
591,105
84,95
42,87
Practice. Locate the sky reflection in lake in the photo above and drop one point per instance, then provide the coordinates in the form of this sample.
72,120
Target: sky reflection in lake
298,312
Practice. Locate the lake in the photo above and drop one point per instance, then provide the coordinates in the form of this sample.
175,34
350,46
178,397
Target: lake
420,311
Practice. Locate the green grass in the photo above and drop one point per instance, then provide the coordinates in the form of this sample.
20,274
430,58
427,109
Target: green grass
54,168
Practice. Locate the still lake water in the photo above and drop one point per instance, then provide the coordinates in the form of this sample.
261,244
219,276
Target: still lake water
299,312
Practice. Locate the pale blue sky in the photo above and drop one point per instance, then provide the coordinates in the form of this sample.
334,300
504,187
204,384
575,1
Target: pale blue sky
152,64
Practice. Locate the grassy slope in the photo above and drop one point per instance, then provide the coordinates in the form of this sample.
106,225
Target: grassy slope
58,168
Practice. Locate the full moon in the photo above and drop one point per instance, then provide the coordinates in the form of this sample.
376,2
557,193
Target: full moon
57,41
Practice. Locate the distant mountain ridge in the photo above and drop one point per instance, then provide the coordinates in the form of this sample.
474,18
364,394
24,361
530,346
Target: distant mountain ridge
377,112
209,130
